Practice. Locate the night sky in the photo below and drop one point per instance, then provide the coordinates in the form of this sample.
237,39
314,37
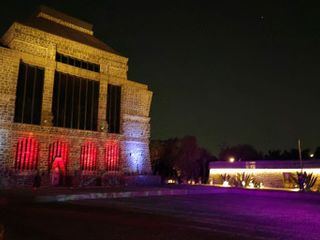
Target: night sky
227,72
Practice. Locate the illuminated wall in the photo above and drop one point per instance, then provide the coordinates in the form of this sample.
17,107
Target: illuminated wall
272,174
137,155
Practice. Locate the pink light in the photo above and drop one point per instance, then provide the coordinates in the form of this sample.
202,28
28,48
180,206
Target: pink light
112,155
88,156
61,149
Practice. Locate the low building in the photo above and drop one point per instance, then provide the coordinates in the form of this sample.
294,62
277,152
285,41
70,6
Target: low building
268,174
67,108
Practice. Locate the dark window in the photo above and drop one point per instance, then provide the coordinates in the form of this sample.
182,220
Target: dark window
113,108
75,102
77,63
29,94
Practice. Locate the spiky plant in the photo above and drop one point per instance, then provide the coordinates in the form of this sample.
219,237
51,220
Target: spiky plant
225,177
242,180
304,180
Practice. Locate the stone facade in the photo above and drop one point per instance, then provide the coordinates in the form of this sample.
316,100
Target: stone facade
38,47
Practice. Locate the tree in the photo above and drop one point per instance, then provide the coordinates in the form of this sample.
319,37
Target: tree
274,155
181,158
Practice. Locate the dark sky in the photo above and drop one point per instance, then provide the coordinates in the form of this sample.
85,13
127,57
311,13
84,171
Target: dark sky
227,72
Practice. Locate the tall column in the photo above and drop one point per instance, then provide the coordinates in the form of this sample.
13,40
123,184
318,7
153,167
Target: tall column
102,121
46,114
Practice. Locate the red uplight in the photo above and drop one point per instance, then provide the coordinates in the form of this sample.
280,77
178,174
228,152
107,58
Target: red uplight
27,154
112,155
58,149
88,158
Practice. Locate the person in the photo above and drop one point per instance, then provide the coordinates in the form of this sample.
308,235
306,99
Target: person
37,181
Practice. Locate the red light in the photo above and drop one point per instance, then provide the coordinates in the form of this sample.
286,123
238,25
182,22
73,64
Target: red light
59,149
27,154
88,157
112,155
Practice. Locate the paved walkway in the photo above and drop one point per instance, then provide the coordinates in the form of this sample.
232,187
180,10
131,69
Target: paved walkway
63,194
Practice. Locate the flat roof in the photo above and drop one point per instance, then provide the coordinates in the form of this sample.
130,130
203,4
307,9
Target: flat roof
276,164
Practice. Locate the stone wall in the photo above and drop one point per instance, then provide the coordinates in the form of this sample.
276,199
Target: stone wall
39,48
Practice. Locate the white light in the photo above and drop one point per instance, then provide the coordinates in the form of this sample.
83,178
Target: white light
311,155
243,183
231,159
251,185
225,184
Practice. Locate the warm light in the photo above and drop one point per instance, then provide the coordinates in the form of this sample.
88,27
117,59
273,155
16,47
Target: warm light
295,189
251,185
171,181
211,182
225,184
311,155
231,159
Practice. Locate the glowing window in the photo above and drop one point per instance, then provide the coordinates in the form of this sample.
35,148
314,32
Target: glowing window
88,158
27,154
112,156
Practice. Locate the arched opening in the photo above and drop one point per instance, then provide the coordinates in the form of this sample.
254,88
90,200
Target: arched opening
27,154
112,152
88,157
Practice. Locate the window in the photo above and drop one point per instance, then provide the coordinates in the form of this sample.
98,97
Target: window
75,102
27,154
113,108
29,94
112,155
77,63
88,158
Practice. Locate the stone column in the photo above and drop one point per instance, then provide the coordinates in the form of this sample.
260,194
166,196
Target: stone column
46,114
102,121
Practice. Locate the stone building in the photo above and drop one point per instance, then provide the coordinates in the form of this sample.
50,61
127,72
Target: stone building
66,105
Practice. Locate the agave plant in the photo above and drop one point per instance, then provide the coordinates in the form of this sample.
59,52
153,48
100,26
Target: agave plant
304,180
226,179
242,180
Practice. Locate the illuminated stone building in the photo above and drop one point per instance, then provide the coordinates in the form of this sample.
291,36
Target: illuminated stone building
66,104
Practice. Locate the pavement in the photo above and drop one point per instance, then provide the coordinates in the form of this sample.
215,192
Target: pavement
215,213
63,194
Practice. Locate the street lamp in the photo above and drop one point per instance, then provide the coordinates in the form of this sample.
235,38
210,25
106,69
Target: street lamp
231,159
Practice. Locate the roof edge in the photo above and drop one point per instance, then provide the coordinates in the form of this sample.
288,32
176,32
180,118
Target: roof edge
64,17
